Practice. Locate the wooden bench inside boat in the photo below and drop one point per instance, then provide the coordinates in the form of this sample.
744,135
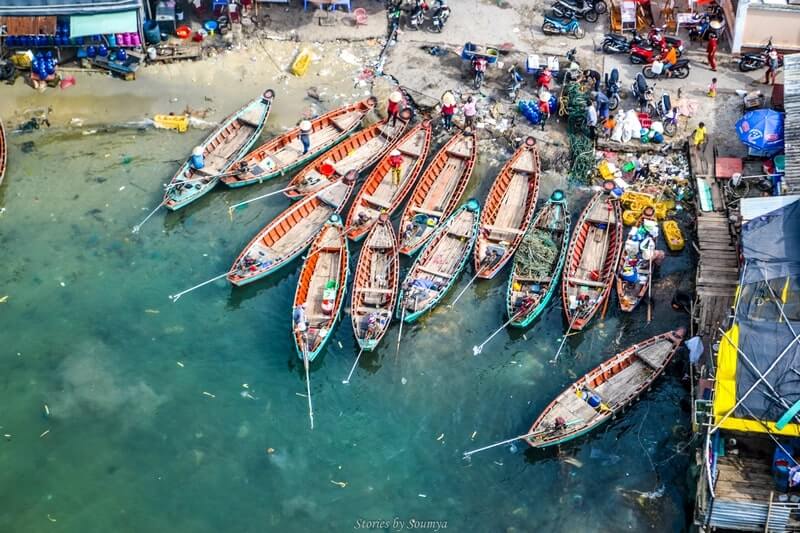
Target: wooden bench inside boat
343,123
522,167
646,355
609,220
587,282
319,318
426,211
453,153
434,272
534,279
362,309
409,153
456,233
375,290
376,201
499,229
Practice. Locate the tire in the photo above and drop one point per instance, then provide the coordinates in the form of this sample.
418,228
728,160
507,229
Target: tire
609,48
600,7
649,109
648,72
681,72
549,28
747,65
670,128
591,16
636,59
613,102
578,32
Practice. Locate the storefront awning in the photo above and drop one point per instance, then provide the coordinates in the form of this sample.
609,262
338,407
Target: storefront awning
32,8
122,22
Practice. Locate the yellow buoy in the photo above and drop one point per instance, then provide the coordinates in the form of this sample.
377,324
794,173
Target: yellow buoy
301,62
673,235
172,122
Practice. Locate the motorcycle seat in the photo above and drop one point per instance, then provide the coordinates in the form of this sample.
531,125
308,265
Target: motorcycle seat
558,20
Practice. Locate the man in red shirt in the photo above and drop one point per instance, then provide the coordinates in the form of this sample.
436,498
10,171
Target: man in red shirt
394,106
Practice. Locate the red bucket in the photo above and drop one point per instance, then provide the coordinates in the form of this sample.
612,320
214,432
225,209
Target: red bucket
183,32
326,169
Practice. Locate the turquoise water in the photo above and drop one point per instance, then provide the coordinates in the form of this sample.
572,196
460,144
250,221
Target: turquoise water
134,443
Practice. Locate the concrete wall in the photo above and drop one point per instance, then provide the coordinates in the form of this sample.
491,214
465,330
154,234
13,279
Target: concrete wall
756,22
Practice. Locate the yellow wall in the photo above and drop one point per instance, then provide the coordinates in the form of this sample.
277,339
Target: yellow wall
782,24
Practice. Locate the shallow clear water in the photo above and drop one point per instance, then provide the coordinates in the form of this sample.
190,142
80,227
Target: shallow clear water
134,444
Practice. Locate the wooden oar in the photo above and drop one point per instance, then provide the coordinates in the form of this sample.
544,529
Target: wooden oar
476,350
460,294
400,333
308,383
138,226
175,297
204,178
521,437
650,290
564,340
346,381
273,193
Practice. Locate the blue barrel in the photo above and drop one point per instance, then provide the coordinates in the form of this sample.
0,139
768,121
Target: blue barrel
102,50
152,33
91,51
197,161
593,400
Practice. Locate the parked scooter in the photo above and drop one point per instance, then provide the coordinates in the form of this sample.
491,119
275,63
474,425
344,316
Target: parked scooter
614,43
612,89
579,9
659,39
555,26
416,18
757,60
479,65
441,12
515,83
655,45
666,114
643,94
679,70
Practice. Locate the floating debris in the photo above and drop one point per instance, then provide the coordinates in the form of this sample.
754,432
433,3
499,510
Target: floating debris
152,311
340,483
270,450
45,433
51,518
179,364
441,437
3,299
209,394
46,410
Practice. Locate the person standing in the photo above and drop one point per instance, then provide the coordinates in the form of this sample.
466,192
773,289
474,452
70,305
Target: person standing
448,110
712,88
591,119
602,104
396,164
393,109
711,51
305,135
470,110
700,137
544,107
544,79
772,67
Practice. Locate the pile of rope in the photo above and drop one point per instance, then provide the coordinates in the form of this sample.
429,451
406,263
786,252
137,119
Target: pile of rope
536,254
580,146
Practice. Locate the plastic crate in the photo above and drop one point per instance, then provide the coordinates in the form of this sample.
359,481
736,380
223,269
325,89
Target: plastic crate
645,120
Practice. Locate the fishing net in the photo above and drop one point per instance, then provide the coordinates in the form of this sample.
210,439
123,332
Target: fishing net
537,254
580,146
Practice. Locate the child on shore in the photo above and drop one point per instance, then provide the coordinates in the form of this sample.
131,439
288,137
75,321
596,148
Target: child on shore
712,88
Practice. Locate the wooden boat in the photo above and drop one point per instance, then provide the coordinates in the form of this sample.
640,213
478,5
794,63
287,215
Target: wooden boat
508,210
288,234
375,285
221,150
534,277
439,263
591,260
3,152
438,192
378,194
321,288
284,153
357,152
630,294
612,386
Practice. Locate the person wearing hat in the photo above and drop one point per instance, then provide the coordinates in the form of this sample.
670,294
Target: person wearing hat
393,108
396,164
299,318
544,79
305,135
772,67
448,110
470,110
544,107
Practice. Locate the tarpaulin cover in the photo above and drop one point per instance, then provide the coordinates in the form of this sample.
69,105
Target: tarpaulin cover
771,244
65,7
120,22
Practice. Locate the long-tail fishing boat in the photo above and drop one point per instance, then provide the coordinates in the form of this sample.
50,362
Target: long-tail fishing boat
228,143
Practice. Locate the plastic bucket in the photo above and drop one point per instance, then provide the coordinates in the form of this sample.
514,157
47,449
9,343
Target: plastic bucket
152,33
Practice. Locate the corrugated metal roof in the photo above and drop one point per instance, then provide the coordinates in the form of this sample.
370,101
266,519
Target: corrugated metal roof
30,8
791,129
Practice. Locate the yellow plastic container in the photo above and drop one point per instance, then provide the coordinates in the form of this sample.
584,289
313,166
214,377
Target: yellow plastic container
630,217
172,122
673,235
301,62
605,170
630,197
22,60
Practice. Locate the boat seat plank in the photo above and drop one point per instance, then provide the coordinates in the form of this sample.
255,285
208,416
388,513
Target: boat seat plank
453,153
433,272
522,169
499,229
609,220
427,211
375,290
409,153
376,201
345,122
587,282
534,279
364,310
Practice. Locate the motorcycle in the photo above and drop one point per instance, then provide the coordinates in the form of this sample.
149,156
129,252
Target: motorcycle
612,89
643,94
755,61
679,70
440,15
564,9
556,26
655,45
657,38
515,84
479,65
614,43
417,16
664,113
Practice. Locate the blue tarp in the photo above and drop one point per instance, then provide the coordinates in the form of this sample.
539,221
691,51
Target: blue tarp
41,8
